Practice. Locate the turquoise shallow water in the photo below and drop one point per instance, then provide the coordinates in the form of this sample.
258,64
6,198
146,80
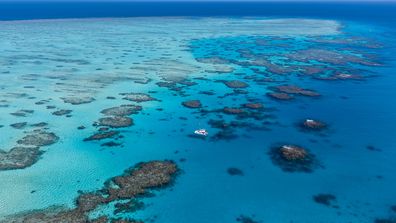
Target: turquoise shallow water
101,58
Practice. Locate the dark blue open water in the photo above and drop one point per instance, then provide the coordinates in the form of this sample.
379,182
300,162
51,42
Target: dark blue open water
367,11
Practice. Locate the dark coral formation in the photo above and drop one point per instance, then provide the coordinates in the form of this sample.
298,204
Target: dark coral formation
236,84
62,112
329,56
19,125
253,105
192,104
102,135
246,219
280,96
115,121
39,138
134,183
291,89
286,92
393,208
19,158
137,97
116,117
325,199
130,206
28,151
78,100
375,149
311,124
233,171
123,110
22,113
233,111
213,60
292,158
385,220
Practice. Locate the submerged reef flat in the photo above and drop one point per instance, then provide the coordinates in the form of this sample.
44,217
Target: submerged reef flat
134,183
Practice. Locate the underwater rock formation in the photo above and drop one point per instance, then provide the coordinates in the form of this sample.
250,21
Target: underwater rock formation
19,158
236,84
62,112
292,153
115,121
246,219
253,105
212,60
38,138
329,56
235,171
292,158
19,125
291,89
78,100
28,151
123,110
22,113
102,135
137,97
311,124
133,184
325,199
192,104
233,111
280,96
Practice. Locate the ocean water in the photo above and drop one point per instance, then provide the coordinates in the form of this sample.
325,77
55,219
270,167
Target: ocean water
101,58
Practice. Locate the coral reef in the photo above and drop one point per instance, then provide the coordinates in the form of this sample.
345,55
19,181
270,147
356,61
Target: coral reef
115,121
134,183
311,124
233,171
78,100
292,158
325,199
137,97
123,110
192,104
236,84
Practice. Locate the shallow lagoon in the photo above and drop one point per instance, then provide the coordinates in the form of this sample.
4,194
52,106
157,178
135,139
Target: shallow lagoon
179,59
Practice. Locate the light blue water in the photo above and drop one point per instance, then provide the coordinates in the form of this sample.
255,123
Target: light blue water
102,57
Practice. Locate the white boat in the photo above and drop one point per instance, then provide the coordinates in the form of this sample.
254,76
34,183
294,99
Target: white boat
201,132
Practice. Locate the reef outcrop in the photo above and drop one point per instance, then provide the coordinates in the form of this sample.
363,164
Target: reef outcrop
137,97
292,158
236,84
78,100
28,150
192,104
115,121
136,182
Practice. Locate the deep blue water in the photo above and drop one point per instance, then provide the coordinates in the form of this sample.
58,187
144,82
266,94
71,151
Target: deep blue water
367,11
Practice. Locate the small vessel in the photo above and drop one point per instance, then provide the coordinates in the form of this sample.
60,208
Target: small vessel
201,132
